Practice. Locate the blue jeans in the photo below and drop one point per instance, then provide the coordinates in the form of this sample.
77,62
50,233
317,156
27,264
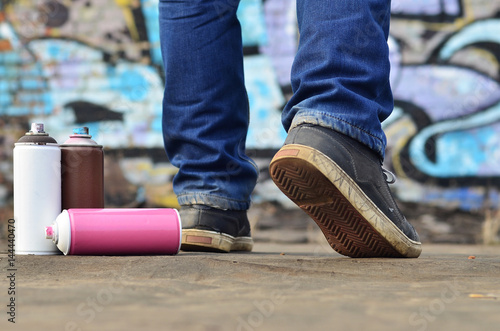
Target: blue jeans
340,80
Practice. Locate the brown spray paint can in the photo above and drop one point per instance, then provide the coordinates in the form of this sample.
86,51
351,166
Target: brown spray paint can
82,171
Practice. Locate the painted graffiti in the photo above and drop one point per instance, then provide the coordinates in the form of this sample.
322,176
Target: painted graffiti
97,63
444,133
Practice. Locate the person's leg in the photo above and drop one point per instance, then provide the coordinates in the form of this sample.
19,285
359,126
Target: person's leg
340,75
205,118
331,162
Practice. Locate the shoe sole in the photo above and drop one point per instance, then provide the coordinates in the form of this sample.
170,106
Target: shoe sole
353,225
211,241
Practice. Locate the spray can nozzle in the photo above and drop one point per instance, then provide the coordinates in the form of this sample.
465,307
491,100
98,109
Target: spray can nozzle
51,233
37,129
84,130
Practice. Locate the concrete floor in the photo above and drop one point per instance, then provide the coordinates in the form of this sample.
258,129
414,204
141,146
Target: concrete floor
276,287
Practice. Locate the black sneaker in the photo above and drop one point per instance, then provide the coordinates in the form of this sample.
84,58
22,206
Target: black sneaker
341,184
214,230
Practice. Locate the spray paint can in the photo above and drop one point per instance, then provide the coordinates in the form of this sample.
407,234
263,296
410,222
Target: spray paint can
37,190
117,231
82,172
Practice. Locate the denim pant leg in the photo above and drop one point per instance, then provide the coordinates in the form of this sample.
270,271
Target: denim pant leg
205,106
340,75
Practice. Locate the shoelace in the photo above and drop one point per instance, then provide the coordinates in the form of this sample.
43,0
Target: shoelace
390,178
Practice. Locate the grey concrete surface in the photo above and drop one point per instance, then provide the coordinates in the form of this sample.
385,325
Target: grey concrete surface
276,287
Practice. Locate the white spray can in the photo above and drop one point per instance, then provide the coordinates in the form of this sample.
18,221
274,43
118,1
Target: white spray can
37,190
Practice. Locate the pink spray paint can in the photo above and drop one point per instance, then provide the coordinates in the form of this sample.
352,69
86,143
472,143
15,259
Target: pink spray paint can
117,231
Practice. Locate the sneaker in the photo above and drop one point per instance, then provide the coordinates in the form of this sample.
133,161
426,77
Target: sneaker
214,230
341,184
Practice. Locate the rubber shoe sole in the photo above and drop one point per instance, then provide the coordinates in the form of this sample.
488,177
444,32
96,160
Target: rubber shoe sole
353,225
211,241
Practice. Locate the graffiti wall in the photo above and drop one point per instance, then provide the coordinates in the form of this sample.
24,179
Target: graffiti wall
97,63
444,133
